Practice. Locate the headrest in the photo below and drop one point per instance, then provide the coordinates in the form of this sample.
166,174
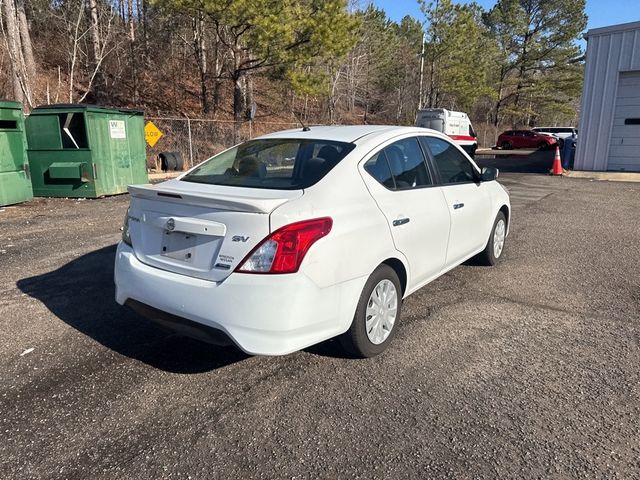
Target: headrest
329,153
396,159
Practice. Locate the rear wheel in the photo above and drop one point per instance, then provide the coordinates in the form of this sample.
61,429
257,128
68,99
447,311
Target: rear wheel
377,314
543,145
495,245
506,146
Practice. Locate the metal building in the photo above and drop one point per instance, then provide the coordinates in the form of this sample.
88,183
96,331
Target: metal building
609,130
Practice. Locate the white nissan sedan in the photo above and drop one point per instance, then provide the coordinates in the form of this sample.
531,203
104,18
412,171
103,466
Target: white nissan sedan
299,236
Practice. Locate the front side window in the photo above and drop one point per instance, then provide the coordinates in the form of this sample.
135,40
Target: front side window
279,164
400,166
453,166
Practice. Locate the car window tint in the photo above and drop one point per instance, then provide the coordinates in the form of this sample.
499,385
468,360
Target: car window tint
453,166
285,164
407,164
378,168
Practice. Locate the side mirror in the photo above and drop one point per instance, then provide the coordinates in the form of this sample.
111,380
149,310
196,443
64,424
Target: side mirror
489,174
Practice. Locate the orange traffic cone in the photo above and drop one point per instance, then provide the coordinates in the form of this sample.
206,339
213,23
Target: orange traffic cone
557,163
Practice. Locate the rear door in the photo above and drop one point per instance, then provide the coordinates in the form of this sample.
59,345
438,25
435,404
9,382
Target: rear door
532,139
468,201
403,186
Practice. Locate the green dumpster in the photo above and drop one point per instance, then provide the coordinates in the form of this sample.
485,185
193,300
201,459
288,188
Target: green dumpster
15,185
85,151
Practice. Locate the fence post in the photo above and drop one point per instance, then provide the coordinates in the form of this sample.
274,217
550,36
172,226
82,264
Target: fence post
190,142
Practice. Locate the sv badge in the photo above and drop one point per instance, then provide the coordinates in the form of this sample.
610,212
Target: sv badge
239,238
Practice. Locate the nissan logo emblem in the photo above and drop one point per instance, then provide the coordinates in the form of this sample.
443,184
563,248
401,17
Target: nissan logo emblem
171,224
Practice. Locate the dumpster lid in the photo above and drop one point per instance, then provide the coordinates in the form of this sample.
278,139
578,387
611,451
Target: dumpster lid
10,104
75,107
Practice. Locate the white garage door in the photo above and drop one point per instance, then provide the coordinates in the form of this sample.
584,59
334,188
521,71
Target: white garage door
624,147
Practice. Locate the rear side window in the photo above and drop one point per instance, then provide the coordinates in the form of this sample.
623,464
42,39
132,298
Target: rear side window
279,164
453,166
400,166
378,168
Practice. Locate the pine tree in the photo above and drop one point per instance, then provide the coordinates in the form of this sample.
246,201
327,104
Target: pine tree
537,45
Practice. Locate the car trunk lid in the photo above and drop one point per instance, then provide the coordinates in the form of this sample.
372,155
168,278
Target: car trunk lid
202,231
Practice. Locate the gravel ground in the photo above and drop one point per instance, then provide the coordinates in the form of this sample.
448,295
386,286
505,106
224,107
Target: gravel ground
525,370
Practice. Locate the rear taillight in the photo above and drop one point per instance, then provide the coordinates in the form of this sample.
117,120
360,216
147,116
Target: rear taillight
284,250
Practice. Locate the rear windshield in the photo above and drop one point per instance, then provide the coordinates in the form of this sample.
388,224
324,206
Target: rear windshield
279,164
434,123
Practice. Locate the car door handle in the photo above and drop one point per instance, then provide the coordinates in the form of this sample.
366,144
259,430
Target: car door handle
457,206
400,221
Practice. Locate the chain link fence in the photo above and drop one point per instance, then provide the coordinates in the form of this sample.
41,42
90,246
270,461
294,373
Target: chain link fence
198,139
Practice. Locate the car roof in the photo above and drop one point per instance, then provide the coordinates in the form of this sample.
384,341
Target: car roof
545,128
347,133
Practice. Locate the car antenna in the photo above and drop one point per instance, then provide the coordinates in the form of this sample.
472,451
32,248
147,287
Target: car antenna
304,127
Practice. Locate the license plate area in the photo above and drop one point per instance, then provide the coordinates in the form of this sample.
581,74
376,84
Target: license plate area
179,246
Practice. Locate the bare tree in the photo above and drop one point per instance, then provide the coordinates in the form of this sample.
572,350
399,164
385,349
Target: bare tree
132,47
15,32
92,11
25,40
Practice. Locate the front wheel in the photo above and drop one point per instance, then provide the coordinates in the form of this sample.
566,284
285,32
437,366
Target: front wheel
506,146
376,316
495,245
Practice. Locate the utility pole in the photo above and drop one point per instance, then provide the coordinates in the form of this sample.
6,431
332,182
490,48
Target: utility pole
420,92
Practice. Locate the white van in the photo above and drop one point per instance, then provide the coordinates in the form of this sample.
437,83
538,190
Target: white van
456,125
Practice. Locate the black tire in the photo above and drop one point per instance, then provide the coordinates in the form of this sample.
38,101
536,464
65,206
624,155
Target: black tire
488,255
560,143
167,161
543,145
355,340
179,163
506,146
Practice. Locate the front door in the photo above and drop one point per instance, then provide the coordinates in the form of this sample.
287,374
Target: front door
468,201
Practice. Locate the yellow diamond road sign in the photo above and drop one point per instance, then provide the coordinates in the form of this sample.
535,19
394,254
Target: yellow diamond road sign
152,134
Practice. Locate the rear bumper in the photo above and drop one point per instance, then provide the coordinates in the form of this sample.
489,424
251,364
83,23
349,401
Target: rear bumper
261,314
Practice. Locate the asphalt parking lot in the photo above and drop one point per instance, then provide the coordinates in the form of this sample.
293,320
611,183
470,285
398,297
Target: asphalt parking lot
526,370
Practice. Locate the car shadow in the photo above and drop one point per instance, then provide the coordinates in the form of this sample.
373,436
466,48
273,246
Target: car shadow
81,294
331,349
539,161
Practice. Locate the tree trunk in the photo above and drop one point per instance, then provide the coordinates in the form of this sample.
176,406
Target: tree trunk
14,49
200,45
27,48
96,53
132,45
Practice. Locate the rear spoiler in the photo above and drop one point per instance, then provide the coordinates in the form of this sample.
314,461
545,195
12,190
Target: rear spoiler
218,201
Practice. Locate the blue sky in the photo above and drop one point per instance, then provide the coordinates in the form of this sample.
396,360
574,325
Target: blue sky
600,12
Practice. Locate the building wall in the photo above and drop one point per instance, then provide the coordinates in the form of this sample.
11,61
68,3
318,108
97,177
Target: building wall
610,50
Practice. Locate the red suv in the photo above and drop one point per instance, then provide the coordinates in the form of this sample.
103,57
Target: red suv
525,139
